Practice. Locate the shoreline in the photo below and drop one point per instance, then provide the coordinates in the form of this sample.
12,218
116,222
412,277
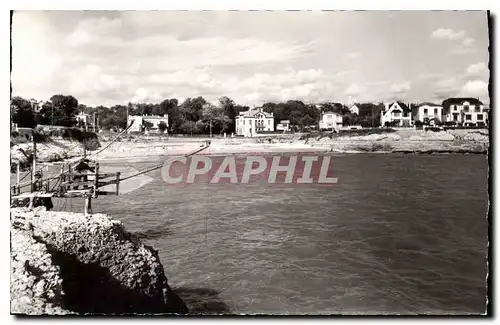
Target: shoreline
399,142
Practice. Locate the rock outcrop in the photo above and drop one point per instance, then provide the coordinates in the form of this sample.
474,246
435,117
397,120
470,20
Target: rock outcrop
84,264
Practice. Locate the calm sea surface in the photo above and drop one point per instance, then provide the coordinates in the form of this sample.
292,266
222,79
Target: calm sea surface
397,234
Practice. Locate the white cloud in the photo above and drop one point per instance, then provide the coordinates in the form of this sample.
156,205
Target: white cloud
464,50
354,89
399,88
475,88
477,69
447,33
468,41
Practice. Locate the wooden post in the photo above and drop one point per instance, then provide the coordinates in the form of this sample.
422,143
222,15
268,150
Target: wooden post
69,179
117,183
33,164
96,180
88,205
18,174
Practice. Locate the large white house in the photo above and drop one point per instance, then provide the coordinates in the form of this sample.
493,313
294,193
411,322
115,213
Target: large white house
465,111
253,121
330,120
396,114
427,113
139,121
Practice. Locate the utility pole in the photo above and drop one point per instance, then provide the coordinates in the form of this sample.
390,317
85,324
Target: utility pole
33,164
126,123
210,128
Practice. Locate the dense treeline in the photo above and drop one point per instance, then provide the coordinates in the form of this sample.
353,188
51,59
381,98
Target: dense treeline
192,116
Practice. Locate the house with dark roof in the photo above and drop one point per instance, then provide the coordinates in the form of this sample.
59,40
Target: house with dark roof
465,111
253,121
396,114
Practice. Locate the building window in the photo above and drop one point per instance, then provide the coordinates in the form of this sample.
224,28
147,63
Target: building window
468,117
268,122
405,114
396,114
435,111
479,117
243,122
476,108
455,116
425,110
466,108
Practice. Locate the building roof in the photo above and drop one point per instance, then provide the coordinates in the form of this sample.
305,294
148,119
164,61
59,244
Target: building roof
254,111
428,104
461,100
150,117
403,106
330,112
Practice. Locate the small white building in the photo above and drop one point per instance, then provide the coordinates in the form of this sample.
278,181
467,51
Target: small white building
397,114
465,111
84,119
428,112
139,121
330,120
253,121
354,109
283,125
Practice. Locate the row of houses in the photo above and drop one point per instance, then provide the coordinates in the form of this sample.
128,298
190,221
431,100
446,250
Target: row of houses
459,111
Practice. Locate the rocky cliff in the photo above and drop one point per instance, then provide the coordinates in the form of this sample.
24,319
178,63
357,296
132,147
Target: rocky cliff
70,263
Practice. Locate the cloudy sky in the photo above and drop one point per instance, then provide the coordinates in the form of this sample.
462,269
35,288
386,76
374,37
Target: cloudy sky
115,57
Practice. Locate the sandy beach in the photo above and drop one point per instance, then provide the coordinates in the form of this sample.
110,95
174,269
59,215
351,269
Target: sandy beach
473,141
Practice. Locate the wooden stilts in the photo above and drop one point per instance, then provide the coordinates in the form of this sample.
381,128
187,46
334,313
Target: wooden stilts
33,164
18,175
88,205
117,183
96,180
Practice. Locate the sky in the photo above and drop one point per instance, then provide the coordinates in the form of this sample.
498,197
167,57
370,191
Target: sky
116,57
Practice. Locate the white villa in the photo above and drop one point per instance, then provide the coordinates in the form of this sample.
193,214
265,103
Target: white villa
253,121
465,111
398,113
140,119
428,112
330,120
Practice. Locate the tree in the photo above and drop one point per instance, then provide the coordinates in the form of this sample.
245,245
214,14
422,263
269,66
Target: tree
192,108
162,126
21,112
171,107
216,117
61,110
146,125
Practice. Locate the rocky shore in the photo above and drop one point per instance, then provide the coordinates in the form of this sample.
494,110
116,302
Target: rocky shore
69,263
